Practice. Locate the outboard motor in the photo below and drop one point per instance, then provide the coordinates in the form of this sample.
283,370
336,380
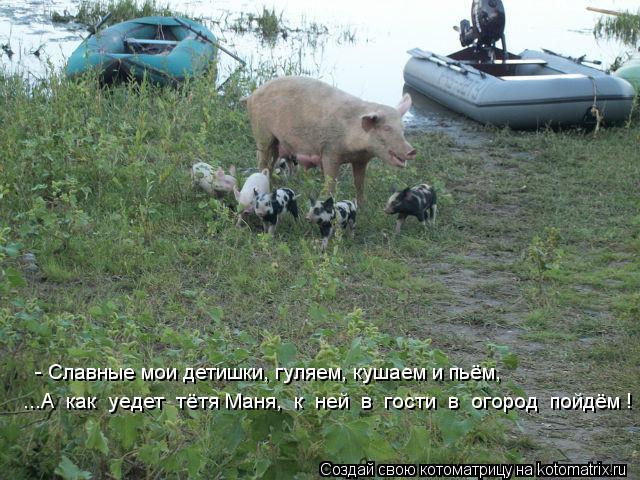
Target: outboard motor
488,19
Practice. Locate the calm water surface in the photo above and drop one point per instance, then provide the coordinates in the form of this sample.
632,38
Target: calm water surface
363,52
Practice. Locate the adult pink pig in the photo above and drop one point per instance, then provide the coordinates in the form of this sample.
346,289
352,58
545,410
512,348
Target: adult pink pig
306,117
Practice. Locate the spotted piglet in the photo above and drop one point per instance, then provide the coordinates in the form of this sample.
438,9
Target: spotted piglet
323,213
418,201
271,206
286,166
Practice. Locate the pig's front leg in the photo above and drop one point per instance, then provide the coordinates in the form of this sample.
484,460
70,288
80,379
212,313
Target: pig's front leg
359,170
401,218
325,231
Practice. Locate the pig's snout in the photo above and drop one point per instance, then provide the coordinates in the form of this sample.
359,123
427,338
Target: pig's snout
411,154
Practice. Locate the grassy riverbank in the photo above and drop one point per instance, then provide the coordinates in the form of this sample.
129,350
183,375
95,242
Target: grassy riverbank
535,254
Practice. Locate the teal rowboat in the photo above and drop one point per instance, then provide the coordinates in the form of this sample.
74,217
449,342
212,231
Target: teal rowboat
164,49
630,71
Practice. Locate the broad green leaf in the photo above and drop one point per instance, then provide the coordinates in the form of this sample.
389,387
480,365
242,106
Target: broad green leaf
229,427
379,448
261,465
451,426
115,468
70,471
12,250
15,278
194,460
419,442
150,453
286,354
169,414
440,358
95,438
125,428
347,442
78,388
355,354
318,313
215,313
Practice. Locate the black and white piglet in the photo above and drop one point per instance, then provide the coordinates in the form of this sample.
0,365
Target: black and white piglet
418,201
271,206
323,213
286,166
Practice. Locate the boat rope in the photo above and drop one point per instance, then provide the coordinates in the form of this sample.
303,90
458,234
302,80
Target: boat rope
595,111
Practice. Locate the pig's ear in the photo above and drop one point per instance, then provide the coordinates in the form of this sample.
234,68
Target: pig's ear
328,203
255,192
232,170
405,104
394,188
265,172
236,193
369,121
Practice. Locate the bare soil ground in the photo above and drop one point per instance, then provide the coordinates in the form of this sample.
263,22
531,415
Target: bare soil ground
489,302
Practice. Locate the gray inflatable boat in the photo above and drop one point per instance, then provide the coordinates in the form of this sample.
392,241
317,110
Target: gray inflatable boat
526,91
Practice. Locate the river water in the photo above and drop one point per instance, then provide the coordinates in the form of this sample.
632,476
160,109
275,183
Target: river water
363,51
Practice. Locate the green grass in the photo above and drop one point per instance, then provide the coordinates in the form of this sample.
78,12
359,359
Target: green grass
267,24
90,12
137,269
624,27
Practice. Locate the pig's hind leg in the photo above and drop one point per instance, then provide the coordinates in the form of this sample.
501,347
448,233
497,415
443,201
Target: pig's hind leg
330,167
433,210
267,153
422,218
351,228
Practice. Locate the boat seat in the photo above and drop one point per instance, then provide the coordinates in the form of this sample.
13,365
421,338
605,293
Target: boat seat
145,41
533,61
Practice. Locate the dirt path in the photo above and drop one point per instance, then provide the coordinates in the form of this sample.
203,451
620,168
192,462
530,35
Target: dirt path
488,305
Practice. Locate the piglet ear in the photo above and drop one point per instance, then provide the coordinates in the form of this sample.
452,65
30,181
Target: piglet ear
236,193
394,188
265,172
255,192
232,170
328,202
369,121
405,104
